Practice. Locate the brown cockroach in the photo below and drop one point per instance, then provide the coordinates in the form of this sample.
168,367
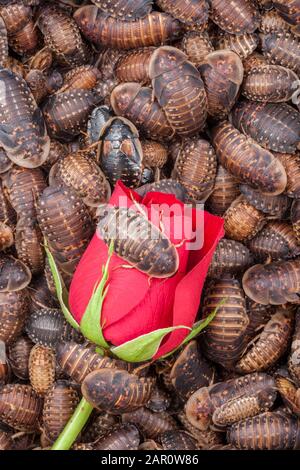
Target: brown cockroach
167,186
236,17
242,45
36,80
3,43
177,440
253,61
242,221
6,442
100,425
159,401
222,72
270,345
272,206
134,66
267,431
125,10
135,102
294,357
14,275
291,163
20,407
57,151
223,339
153,30
225,191
14,307
258,315
195,168
59,404
271,22
41,368
6,236
288,10
179,89
275,283
15,16
18,355
190,371
42,60
155,154
290,394
159,257
187,11
231,257
123,437
84,77
150,424
201,406
25,41
276,240
23,133
205,439
282,49
295,218
196,46
116,390
29,245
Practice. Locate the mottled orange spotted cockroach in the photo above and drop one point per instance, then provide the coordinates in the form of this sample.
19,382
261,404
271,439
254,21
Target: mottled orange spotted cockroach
282,49
153,30
179,89
29,245
159,257
190,371
270,345
23,133
6,441
42,60
116,390
84,77
290,394
205,439
135,103
196,46
100,425
14,307
186,11
62,36
275,283
295,218
289,10
294,357
246,160
271,22
177,440
159,401
230,257
18,354
291,163
41,368
20,407
236,16
167,186
242,45
222,72
155,154
276,240
25,41
242,221
267,431
3,43
254,60
36,80
59,404
150,424
125,10
223,339
225,191
195,168
273,206
201,406
14,275
134,66
123,437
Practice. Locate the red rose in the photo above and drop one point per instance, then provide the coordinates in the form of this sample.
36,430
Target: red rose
134,306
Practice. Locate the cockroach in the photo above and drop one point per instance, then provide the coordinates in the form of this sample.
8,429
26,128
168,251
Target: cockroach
270,345
3,43
150,424
242,221
20,407
59,404
267,431
159,401
224,338
134,66
196,46
66,113
135,102
84,176
155,154
222,72
179,89
236,17
98,118
190,371
188,11
288,10
125,10
15,16
258,315
294,357
282,49
225,191
62,36
107,61
205,439
290,394
18,355
242,45
201,406
272,206
6,236
167,186
149,444
29,245
14,308
36,80
84,77
123,437
159,257
116,390
246,160
57,151
295,218
14,275
271,22
26,40
291,165
276,240
6,442
41,368
23,133
195,168
254,60
275,283
100,425
177,440
5,162
42,60
231,257
153,30
121,152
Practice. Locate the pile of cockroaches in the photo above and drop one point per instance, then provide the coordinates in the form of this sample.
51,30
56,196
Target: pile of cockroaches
199,98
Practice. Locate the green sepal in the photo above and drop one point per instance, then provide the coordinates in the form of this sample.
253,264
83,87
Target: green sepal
145,346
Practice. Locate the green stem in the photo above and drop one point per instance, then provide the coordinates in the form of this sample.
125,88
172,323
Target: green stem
74,426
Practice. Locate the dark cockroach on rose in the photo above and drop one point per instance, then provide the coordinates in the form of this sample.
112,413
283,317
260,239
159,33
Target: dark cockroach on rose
168,186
